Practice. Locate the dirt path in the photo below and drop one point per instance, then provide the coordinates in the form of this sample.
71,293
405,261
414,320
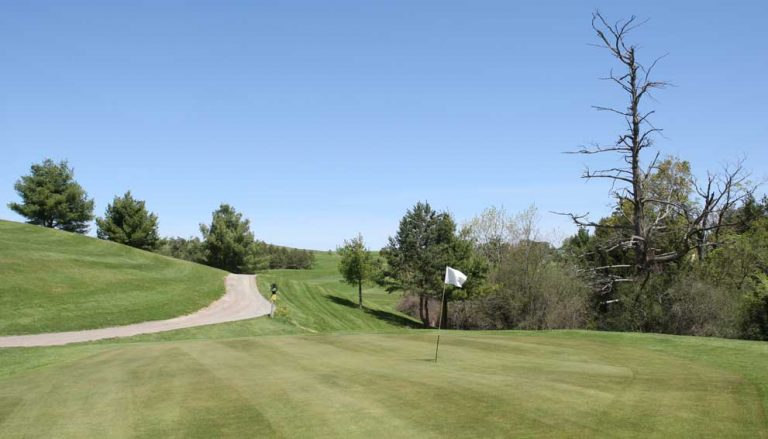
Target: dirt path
241,301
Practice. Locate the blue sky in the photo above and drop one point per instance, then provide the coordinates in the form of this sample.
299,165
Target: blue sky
319,120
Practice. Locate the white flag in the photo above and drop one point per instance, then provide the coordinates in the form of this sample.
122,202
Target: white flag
454,277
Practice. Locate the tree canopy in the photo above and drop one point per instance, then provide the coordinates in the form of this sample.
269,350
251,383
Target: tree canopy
51,197
228,242
357,264
127,221
425,243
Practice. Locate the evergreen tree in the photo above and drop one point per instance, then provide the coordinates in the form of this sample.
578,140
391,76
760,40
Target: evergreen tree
190,249
228,242
127,221
52,198
417,255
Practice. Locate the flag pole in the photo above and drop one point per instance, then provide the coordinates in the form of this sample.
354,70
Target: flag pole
439,322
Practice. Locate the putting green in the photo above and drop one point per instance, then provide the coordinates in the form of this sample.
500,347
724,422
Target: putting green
514,384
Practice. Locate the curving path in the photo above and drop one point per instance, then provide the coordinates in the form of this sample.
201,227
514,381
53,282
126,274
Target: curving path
241,301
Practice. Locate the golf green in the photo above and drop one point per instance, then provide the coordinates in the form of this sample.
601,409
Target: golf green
501,384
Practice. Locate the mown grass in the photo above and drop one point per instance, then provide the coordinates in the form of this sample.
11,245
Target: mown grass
327,369
311,301
58,281
319,301
509,384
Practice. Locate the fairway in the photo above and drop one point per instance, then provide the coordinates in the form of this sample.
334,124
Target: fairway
557,384
57,281
324,368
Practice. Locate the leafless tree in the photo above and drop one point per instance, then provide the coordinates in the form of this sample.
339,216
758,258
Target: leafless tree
647,214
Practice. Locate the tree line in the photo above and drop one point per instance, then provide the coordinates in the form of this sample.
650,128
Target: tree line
51,197
517,279
678,254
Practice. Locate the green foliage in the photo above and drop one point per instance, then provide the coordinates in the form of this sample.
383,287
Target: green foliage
190,249
692,305
720,294
420,250
741,267
128,222
357,264
276,257
754,322
425,243
228,242
529,285
750,212
260,256
52,198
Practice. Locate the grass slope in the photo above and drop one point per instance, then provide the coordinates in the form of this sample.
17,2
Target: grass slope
58,281
315,301
319,301
327,369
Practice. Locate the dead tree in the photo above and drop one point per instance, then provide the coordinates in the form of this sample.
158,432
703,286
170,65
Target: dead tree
648,215
629,179
719,195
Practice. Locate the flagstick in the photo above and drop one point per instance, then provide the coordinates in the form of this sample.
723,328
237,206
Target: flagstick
439,323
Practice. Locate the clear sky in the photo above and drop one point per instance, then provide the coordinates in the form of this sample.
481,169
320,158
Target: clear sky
319,120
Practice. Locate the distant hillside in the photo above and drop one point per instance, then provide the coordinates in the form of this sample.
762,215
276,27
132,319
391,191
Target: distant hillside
58,281
310,301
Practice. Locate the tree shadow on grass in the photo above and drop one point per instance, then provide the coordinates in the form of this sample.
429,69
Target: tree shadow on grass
379,314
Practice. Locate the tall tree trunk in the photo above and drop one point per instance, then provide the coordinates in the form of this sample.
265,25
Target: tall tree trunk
444,315
427,321
421,309
636,146
360,292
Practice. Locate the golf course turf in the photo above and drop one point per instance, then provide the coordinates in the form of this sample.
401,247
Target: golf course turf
57,281
324,368
513,384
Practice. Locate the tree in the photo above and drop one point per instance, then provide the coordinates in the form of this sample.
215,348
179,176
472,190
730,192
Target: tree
52,198
357,264
425,243
127,221
529,285
275,257
647,197
228,242
491,233
187,249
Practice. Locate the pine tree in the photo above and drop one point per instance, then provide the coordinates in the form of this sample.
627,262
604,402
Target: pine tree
52,198
127,221
228,242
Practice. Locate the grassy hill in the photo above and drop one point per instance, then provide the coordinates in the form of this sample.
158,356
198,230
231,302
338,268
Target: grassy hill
58,281
327,369
319,301
314,301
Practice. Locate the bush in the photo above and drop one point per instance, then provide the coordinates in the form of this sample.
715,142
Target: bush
754,312
555,299
284,257
696,307
187,249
